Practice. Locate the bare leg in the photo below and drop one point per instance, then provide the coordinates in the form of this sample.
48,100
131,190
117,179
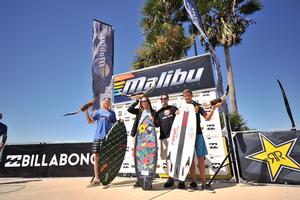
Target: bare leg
201,166
96,164
193,171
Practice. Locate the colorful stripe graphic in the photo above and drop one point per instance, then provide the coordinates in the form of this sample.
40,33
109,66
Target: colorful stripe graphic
119,82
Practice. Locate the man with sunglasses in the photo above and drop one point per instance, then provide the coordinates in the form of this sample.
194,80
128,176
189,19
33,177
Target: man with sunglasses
166,116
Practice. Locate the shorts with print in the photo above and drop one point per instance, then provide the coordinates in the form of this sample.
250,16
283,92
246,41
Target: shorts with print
97,145
200,146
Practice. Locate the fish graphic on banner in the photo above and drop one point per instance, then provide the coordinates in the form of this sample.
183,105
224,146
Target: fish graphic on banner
103,56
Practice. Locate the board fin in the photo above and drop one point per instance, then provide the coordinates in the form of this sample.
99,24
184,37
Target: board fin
188,162
176,171
169,156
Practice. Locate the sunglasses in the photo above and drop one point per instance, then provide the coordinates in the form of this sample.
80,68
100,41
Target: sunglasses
163,98
144,101
107,99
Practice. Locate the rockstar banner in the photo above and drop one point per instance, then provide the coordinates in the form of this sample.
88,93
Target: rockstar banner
269,157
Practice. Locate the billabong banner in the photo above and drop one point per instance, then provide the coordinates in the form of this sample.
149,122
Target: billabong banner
103,56
47,160
269,157
194,73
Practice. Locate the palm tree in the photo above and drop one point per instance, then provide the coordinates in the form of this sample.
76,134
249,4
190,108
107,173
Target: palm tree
225,21
169,46
165,40
237,122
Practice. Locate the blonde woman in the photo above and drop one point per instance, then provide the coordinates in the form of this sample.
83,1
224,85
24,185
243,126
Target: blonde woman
105,118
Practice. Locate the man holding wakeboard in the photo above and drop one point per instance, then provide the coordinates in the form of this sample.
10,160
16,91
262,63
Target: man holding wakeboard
200,146
166,116
105,118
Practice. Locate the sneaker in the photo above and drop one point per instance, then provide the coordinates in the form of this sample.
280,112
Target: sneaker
136,185
181,185
169,183
208,188
192,187
149,188
93,183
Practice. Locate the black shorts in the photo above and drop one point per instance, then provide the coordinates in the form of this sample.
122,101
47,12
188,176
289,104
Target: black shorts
97,145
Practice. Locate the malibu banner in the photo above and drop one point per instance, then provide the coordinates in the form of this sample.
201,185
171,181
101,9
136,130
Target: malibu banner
47,160
194,73
269,157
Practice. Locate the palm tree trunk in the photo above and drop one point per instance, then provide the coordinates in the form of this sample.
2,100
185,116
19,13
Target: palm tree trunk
232,96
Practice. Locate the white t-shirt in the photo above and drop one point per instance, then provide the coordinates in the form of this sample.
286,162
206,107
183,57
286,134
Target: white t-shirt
145,113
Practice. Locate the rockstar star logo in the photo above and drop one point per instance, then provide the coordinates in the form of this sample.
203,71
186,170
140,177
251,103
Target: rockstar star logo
275,156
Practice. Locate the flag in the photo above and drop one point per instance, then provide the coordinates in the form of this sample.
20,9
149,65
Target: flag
191,8
102,66
287,105
194,14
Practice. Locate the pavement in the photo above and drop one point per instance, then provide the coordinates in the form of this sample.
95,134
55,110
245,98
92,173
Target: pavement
121,189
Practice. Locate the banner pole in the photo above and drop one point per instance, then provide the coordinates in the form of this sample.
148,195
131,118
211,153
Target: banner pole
231,148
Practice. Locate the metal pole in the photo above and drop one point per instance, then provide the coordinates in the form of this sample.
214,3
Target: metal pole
231,148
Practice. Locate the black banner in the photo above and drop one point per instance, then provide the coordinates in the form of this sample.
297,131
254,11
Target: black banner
103,57
269,157
193,73
47,160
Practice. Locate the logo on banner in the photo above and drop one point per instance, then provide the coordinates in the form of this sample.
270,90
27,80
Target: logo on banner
130,83
43,160
276,156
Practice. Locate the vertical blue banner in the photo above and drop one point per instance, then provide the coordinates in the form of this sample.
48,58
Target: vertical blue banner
191,8
103,56
195,16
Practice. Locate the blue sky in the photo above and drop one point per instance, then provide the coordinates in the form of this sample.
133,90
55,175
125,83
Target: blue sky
46,56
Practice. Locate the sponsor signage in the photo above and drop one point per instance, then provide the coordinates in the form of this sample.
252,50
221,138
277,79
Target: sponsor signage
194,73
47,160
103,54
269,157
